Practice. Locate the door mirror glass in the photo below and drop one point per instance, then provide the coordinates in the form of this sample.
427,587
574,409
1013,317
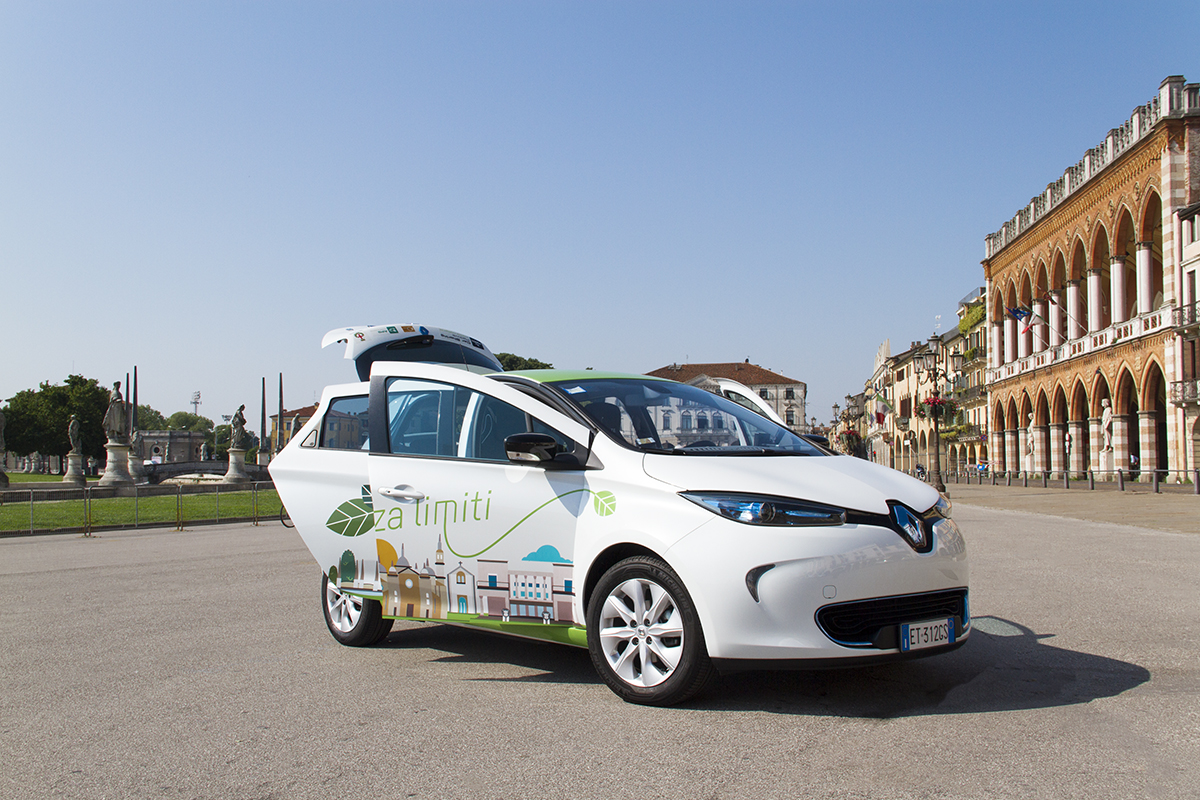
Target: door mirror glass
526,447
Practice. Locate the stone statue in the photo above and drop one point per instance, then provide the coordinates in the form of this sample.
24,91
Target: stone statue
115,424
205,452
1029,436
73,435
237,427
135,444
1106,424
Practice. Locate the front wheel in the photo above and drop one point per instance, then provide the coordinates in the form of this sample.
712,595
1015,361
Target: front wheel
644,635
354,621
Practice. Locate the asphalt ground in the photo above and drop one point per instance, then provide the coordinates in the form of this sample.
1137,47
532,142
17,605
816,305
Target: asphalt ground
196,664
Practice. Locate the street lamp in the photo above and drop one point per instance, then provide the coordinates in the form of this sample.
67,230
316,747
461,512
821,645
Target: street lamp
929,368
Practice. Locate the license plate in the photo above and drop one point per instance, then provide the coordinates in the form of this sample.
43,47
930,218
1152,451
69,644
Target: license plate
919,635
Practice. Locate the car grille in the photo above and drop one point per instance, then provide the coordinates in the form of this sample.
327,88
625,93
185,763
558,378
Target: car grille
874,623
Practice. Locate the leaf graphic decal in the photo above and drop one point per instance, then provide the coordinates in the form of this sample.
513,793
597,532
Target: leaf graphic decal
352,518
605,503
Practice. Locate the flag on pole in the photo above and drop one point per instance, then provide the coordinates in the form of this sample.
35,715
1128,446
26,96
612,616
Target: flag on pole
881,408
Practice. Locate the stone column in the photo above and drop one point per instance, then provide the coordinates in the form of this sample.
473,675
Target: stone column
1056,319
1149,441
237,468
1074,311
1095,442
1041,448
1116,272
996,353
116,468
1039,326
1058,461
1012,451
74,474
1145,277
1095,301
996,451
1023,338
1121,423
1010,339
1078,457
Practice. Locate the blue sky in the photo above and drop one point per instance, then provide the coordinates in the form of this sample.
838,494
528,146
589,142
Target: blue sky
204,189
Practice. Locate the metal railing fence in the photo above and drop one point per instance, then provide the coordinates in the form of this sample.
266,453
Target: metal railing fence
93,508
1174,481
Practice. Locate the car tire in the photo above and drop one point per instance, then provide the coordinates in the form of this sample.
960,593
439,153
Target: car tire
644,634
353,621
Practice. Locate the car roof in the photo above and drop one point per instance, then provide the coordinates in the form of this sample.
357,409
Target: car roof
559,375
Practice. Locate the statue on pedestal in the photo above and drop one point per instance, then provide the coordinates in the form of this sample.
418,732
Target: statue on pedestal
1106,424
205,452
115,424
73,435
237,429
1029,436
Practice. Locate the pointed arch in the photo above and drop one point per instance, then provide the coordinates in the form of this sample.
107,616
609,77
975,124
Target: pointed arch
1080,406
1125,251
1041,409
1099,393
1151,231
1099,263
1059,411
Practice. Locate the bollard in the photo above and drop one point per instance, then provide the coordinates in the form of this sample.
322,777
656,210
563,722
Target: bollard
1045,480
1008,477
1196,482
994,478
1154,481
1120,480
1091,480
1066,479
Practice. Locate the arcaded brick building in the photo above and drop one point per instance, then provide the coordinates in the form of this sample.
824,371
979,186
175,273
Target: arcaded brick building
1101,260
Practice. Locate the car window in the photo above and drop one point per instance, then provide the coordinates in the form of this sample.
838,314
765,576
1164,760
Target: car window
436,419
667,417
421,417
344,426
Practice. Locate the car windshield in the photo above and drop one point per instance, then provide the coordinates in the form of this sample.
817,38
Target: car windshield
667,417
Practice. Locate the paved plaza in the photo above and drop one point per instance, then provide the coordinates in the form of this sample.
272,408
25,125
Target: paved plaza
196,664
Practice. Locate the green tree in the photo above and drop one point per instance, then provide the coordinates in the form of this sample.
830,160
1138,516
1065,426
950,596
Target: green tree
150,420
972,318
187,421
36,420
512,362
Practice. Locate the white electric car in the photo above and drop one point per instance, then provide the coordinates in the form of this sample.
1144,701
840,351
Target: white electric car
669,530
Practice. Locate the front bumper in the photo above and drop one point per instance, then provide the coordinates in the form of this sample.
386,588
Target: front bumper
813,569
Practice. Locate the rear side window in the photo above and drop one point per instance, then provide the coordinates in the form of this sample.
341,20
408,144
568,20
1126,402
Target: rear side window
344,426
427,418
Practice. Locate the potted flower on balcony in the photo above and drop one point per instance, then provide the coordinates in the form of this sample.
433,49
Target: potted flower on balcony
936,406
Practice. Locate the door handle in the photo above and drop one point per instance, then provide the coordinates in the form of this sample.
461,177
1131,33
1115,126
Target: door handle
402,493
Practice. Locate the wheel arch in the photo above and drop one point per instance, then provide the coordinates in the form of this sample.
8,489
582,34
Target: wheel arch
605,559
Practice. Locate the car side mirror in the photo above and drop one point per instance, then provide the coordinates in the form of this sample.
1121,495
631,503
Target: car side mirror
526,447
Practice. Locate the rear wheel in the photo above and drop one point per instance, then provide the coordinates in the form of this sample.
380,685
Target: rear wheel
644,635
354,621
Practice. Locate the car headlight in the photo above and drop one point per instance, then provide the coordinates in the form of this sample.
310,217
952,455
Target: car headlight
752,509
943,506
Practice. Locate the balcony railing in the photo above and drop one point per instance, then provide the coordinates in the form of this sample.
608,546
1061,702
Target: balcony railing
1185,392
1185,316
1091,342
